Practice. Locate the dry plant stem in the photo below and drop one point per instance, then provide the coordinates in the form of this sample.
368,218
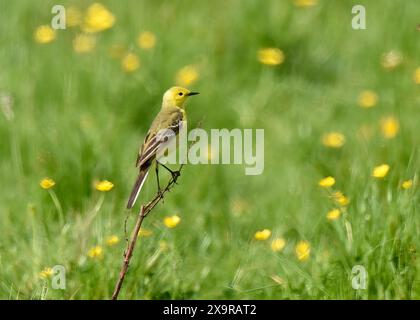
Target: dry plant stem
128,253
144,211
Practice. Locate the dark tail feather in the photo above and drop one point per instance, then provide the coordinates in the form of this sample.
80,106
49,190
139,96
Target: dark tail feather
137,187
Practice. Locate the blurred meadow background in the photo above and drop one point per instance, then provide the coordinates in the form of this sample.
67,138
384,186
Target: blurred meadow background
340,108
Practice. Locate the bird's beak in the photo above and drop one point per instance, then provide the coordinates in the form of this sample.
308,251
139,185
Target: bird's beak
192,93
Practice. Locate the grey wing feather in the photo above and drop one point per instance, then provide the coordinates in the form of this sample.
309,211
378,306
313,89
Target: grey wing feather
157,139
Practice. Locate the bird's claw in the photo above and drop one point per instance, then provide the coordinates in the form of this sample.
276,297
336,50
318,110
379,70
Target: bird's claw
175,175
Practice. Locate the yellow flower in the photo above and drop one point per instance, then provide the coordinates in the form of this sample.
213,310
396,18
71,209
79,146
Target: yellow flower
146,40
340,198
333,140
112,240
47,183
262,235
187,75
104,185
278,244
98,18
172,221
73,17
368,99
416,76
305,3
389,127
44,34
391,60
46,273
303,250
271,56
333,214
84,43
407,184
130,62
327,182
380,171
95,252
145,233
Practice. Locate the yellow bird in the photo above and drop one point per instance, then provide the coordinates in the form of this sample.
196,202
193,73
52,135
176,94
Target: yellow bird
170,117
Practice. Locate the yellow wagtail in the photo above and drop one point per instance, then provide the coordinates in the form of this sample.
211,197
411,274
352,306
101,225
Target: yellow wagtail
170,117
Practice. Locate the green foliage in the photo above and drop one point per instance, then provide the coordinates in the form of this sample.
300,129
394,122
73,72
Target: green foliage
79,118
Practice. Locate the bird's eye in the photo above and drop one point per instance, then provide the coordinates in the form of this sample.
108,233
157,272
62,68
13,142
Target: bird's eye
180,94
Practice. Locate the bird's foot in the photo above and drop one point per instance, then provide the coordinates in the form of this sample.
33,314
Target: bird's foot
175,175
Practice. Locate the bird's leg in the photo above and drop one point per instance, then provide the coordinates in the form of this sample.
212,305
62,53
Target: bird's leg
175,174
157,178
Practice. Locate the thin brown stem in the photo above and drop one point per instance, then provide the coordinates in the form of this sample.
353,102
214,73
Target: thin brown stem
144,211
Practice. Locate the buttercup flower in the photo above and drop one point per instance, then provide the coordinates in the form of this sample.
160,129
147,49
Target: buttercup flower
130,62
262,235
187,75
305,3
416,76
389,127
95,252
146,40
333,214
327,182
391,60
303,250
278,244
271,56
407,184
47,183
380,171
340,198
172,221
84,43
333,140
44,34
98,18
112,240
104,186
46,273
368,99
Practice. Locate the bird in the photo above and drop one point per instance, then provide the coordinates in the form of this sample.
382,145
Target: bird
170,116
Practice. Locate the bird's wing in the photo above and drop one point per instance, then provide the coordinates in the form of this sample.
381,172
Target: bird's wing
163,127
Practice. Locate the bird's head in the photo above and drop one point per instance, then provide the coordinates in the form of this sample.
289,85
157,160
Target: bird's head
176,96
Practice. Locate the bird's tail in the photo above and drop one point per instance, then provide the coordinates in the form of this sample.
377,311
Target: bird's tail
137,187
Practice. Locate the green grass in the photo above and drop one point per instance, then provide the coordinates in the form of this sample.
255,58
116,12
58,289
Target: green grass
80,118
